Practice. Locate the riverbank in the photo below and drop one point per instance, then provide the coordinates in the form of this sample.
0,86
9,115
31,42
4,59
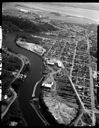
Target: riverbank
12,83
26,88
31,46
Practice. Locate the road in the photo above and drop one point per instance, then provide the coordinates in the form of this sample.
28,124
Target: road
11,89
13,99
91,83
93,109
72,82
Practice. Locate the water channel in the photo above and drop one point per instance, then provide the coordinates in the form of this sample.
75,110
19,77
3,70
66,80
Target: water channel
33,76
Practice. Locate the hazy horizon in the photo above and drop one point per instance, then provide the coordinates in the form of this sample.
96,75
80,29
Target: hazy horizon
84,10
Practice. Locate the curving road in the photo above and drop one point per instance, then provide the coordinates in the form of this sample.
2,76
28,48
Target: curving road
23,60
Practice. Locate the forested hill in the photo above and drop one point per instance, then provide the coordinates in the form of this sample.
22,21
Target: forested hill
27,25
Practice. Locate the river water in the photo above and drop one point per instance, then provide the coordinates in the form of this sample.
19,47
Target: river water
33,76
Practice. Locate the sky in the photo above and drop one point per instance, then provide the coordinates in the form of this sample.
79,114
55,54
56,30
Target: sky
91,11
87,10
91,6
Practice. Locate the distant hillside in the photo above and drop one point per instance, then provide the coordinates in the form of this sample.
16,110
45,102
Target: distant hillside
79,20
55,13
92,27
8,26
27,25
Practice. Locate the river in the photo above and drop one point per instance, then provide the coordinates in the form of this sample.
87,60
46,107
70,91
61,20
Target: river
26,90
